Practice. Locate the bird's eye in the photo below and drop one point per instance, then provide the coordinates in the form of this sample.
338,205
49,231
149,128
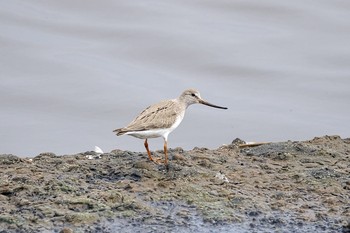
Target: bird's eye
193,94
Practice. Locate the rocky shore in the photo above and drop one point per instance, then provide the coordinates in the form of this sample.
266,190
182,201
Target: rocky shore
293,186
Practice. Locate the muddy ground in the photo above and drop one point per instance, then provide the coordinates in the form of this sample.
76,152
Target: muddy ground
278,187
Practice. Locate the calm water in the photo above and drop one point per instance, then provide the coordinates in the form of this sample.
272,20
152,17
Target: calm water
72,71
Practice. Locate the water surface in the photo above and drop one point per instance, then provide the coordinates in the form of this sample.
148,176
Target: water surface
72,71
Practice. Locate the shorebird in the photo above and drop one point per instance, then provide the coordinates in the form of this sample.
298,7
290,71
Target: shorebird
160,119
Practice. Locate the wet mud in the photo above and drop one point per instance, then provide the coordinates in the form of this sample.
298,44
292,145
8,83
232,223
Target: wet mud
293,186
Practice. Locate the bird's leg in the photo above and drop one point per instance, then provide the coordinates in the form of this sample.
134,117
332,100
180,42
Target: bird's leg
156,160
166,153
148,152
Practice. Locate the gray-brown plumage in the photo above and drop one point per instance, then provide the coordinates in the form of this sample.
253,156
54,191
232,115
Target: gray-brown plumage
158,116
160,119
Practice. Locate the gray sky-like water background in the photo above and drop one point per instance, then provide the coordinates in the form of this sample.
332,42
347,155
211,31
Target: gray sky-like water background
72,71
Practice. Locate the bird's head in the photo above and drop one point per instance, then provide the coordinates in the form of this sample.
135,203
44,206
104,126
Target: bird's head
192,96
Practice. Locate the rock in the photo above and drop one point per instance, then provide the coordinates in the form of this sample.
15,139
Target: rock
66,230
7,219
324,173
7,159
143,165
78,218
346,227
45,155
236,143
286,186
179,157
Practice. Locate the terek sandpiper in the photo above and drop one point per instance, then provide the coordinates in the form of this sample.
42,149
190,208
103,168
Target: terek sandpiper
160,119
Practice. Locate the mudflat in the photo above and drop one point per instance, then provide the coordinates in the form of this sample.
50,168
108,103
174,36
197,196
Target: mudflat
293,186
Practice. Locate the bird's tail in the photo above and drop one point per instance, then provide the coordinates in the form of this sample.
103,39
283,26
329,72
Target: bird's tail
119,132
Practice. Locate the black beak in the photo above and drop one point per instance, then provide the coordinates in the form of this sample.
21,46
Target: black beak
211,105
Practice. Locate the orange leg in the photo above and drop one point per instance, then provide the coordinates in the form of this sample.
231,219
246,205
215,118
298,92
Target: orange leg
148,152
156,160
166,152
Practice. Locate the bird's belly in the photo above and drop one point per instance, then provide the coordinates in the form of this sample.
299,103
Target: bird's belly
154,133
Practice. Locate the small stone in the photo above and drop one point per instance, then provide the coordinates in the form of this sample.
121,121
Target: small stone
178,157
66,230
143,165
205,163
237,142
